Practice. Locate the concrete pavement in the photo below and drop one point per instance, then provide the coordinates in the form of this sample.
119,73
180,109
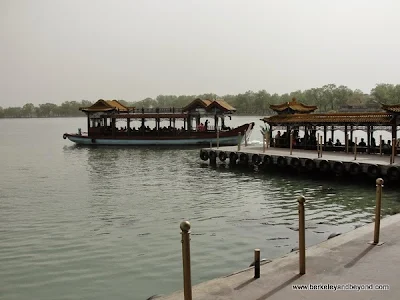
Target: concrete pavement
345,259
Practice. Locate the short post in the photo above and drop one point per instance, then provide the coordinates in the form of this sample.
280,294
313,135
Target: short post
347,143
239,140
274,142
256,263
355,148
302,236
320,146
210,145
291,142
245,138
217,138
380,144
393,150
379,185
187,281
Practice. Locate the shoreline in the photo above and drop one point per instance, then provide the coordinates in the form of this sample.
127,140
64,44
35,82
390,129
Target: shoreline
341,259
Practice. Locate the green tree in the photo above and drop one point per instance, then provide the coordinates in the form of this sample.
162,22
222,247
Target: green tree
47,110
28,110
385,93
342,94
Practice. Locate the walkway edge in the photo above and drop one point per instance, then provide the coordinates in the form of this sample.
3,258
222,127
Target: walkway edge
284,264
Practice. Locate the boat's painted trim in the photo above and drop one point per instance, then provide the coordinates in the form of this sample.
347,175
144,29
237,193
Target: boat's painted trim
85,140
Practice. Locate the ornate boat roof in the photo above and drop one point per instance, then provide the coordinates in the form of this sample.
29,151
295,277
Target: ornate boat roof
293,107
208,105
222,105
106,105
370,118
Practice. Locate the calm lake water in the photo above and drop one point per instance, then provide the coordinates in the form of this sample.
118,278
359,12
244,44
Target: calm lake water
103,223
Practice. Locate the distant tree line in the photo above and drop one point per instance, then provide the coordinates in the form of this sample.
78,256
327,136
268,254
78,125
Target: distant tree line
328,98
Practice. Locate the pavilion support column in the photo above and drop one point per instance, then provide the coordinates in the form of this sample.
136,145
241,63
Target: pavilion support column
129,126
113,126
324,136
189,121
351,133
333,133
306,136
345,137
369,138
88,123
288,136
372,132
394,135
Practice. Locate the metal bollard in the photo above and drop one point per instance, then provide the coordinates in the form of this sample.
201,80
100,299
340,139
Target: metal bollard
256,263
239,140
379,185
355,148
302,236
187,281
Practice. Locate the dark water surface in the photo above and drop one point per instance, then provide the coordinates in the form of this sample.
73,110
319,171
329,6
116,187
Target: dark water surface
103,223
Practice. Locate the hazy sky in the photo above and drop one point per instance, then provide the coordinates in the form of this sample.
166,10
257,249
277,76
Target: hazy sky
64,50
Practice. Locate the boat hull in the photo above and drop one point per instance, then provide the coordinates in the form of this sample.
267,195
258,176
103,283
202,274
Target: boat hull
226,138
85,140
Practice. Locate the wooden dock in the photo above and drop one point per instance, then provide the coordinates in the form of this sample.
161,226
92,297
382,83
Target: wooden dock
373,165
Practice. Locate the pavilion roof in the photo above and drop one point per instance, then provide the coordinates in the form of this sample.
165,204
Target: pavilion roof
391,108
293,106
366,118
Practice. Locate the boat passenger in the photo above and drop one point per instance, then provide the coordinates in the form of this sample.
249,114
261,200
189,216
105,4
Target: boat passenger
388,145
338,143
206,125
362,143
200,127
330,142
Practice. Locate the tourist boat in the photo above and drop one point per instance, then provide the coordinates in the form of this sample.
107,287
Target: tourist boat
102,118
